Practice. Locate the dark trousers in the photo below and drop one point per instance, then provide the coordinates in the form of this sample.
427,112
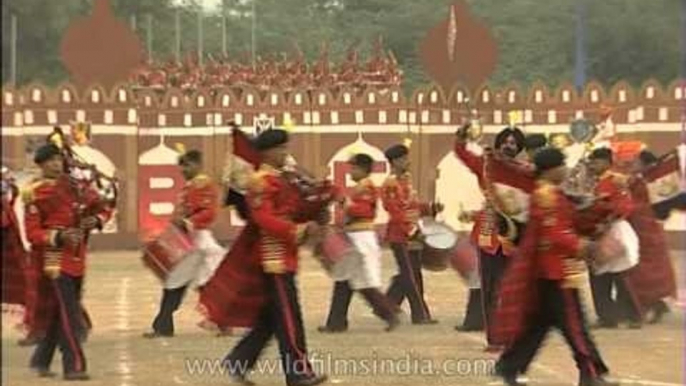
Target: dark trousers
613,310
474,314
340,303
491,269
280,317
409,282
66,328
560,308
171,300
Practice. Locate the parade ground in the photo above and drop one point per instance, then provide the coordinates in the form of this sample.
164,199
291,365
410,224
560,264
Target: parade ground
122,297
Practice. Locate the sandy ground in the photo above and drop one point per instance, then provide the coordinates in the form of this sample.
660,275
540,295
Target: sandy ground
122,297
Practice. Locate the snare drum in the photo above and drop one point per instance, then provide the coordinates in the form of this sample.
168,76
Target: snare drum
335,247
166,251
439,240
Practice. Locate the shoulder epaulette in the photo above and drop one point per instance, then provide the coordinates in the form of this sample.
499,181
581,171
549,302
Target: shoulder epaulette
201,180
545,196
257,181
28,194
390,181
367,183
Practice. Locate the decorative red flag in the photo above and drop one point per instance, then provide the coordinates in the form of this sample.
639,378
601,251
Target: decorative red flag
243,148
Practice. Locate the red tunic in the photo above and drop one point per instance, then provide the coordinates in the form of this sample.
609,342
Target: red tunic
13,256
615,197
360,210
49,204
548,250
50,207
273,208
613,201
403,207
557,240
485,230
199,202
234,296
653,278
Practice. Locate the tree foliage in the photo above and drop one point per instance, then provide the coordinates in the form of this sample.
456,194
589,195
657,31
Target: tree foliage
626,39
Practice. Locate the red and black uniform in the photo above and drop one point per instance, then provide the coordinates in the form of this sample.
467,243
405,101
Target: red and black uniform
53,206
613,202
272,244
653,279
404,210
197,210
198,202
360,212
13,253
37,307
494,250
541,290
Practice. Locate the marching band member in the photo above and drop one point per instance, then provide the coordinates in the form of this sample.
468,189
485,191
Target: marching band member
13,253
494,249
613,203
197,210
548,268
20,275
653,279
58,241
473,320
363,274
271,243
400,201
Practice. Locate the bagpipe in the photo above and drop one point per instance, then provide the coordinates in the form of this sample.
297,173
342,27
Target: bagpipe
507,187
315,194
81,176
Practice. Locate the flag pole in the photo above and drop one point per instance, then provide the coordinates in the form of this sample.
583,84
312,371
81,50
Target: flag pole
177,34
13,51
224,41
253,32
150,49
580,55
200,37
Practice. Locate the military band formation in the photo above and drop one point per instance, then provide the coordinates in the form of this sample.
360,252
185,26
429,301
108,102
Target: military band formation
525,262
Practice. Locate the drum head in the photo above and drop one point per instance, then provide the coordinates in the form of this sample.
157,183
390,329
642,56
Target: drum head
438,235
441,240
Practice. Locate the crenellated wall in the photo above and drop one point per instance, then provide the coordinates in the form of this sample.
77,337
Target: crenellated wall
128,124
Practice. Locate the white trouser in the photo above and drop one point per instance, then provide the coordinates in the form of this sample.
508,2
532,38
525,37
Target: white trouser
199,265
362,270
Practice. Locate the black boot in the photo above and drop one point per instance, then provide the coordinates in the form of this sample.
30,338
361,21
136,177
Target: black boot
312,381
659,310
474,316
586,380
382,307
509,378
163,325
